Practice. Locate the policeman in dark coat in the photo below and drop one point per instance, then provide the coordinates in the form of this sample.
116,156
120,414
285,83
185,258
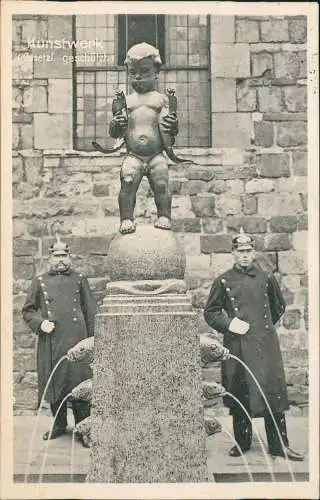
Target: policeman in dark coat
60,309
244,304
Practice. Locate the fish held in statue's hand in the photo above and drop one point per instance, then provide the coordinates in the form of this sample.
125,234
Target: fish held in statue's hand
83,351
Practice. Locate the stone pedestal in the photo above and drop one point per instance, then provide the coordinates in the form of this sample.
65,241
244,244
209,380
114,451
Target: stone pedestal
147,415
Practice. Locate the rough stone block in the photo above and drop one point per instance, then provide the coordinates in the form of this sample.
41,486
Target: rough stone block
287,65
274,30
288,297
273,165
295,98
231,130
263,134
217,243
290,262
276,242
300,163
259,186
231,60
15,136
35,99
227,205
26,136
191,243
226,172
203,205
23,247
223,95
247,31
199,297
17,169
291,282
246,97
52,131
283,224
217,186
23,268
222,29
267,261
24,360
292,134
51,63
22,66
38,228
16,98
175,186
219,264
270,99
235,186
198,267
193,187
60,96
303,222
261,63
20,117
33,169
101,190
285,117
25,191
300,242
186,225
249,224
93,267
272,204
298,30
59,27
303,64
212,225
34,29
249,204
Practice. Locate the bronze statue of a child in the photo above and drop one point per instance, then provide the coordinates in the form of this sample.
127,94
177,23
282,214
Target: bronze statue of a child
146,127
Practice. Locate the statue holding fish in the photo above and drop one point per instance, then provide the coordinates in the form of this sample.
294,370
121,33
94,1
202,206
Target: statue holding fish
146,123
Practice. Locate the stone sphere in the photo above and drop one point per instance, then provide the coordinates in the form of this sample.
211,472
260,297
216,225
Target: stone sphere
147,254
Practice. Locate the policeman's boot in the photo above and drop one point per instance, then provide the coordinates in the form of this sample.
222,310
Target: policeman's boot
279,447
81,410
242,430
60,422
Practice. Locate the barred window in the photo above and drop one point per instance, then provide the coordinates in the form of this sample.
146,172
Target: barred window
99,71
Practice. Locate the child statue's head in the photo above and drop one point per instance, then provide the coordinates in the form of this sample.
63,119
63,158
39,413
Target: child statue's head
143,62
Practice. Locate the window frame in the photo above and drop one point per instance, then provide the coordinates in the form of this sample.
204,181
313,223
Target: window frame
119,68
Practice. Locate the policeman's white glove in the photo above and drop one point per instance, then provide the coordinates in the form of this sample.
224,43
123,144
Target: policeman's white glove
47,326
239,326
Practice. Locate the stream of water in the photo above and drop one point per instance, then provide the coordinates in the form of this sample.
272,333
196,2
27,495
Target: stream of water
35,426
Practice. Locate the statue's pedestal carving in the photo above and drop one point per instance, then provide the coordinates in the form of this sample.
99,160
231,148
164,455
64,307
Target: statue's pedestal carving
147,415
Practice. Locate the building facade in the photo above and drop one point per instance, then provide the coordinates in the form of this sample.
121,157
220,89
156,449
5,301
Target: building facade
241,84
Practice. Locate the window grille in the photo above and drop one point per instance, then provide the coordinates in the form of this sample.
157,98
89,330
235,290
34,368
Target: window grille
98,72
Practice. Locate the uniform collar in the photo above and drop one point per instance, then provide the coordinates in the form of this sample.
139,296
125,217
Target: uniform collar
54,272
250,271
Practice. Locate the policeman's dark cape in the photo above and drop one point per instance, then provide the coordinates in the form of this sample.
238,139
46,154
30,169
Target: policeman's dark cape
253,296
69,300
119,106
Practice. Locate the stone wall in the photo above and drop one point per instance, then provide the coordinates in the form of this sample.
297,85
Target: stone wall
254,176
